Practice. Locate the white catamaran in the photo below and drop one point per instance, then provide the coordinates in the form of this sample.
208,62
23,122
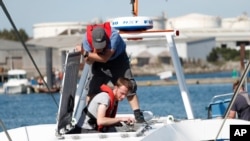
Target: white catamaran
165,128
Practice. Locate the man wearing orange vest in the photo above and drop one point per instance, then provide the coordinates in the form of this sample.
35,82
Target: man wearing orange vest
100,113
104,48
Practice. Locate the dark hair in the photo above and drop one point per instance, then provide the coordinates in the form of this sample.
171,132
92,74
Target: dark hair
122,81
236,84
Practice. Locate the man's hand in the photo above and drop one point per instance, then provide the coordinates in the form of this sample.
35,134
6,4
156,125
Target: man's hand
127,120
79,48
88,61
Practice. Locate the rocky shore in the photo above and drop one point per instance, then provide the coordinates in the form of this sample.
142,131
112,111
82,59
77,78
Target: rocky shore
187,68
188,81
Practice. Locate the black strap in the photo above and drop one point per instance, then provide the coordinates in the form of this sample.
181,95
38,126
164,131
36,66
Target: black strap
92,121
88,113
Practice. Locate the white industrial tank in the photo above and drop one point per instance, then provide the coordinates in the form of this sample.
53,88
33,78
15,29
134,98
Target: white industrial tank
194,21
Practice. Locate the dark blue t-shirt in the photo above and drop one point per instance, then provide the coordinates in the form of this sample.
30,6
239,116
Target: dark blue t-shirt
242,108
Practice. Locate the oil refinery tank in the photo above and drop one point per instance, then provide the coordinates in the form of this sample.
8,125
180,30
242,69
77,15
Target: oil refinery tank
159,22
194,20
43,30
240,22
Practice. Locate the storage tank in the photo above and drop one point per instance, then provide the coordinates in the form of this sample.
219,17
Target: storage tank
159,23
43,30
240,22
194,21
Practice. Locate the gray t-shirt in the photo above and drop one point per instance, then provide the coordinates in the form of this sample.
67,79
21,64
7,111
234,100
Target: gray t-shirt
241,106
101,98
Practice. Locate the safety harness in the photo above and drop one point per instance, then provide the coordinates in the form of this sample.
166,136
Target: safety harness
111,111
90,28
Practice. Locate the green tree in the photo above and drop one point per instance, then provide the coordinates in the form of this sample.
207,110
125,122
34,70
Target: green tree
213,56
11,34
225,54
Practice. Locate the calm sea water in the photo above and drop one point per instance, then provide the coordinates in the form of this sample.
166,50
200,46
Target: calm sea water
20,110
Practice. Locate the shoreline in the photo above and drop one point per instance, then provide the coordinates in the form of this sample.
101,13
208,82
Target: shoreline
188,81
187,69
175,82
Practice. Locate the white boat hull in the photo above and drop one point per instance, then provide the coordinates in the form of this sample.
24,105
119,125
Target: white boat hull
160,129
17,83
165,75
17,89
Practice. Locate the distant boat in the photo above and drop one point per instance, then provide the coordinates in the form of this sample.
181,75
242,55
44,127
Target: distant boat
40,87
166,75
46,90
17,82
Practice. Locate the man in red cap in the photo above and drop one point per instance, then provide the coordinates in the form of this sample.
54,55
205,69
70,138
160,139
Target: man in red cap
104,48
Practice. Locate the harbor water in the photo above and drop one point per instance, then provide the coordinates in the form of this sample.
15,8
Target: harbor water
32,109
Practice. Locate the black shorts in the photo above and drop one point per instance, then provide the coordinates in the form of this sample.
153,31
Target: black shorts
103,73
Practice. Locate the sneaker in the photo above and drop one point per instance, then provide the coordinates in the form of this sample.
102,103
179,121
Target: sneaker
139,116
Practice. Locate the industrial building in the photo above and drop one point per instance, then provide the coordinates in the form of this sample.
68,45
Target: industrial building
199,34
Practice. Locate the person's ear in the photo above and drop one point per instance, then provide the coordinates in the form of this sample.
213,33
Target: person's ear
115,87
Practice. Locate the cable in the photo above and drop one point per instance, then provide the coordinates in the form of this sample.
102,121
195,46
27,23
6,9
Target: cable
25,47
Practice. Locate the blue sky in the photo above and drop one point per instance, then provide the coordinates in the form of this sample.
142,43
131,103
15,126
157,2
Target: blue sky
26,13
